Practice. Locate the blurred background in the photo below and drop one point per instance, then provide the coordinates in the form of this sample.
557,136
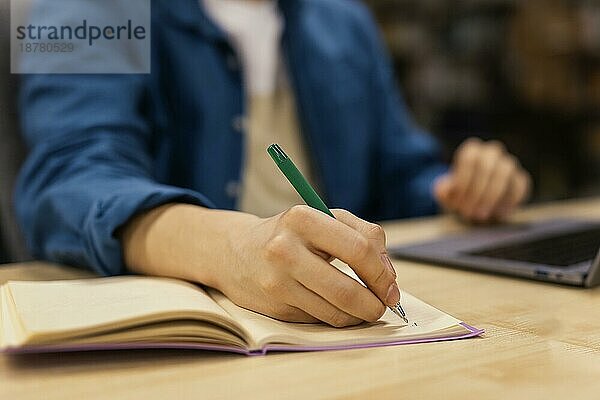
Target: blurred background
526,72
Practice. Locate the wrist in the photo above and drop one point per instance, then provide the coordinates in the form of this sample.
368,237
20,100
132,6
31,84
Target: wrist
148,238
186,242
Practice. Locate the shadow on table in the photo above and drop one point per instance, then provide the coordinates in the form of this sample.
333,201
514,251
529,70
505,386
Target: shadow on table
118,359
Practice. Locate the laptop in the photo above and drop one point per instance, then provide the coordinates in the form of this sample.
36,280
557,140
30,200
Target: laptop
563,251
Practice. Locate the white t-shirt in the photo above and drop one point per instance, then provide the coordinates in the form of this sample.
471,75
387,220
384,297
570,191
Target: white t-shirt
254,29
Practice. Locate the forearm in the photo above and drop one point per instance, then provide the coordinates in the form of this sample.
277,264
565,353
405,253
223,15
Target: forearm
87,173
183,241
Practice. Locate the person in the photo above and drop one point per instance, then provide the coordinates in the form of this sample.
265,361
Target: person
166,174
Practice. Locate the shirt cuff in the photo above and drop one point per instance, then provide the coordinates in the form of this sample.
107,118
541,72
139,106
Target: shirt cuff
103,248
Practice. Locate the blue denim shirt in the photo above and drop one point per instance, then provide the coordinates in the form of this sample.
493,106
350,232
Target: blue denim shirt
105,147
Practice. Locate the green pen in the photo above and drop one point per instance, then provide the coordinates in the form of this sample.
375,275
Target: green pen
310,196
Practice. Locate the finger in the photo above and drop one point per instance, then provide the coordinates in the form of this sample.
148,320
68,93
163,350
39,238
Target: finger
304,299
488,159
289,313
520,189
323,233
337,288
373,232
442,190
464,167
498,186
274,309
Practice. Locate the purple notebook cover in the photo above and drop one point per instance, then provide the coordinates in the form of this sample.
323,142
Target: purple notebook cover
267,349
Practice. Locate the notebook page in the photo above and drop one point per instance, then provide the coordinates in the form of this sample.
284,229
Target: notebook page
5,331
264,330
430,322
54,309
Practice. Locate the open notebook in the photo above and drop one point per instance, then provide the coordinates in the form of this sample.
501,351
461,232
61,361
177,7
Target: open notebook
144,312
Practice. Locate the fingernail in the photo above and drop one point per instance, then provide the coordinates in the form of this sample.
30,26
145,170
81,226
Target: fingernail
393,295
388,264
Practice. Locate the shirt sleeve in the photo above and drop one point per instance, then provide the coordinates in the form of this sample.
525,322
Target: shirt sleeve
408,159
90,167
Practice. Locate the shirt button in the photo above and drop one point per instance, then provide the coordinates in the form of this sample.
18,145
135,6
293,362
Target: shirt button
239,124
233,189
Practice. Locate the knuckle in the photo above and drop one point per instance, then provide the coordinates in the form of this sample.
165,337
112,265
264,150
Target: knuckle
469,144
343,294
468,155
472,141
491,158
278,249
360,248
375,313
295,215
342,212
382,276
284,313
376,231
339,319
496,146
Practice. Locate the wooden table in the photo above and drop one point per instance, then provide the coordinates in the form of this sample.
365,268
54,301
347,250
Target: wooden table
542,342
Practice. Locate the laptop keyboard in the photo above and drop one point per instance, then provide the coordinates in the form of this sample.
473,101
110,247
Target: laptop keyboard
561,250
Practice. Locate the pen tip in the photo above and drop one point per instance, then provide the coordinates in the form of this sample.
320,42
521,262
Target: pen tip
399,311
402,312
